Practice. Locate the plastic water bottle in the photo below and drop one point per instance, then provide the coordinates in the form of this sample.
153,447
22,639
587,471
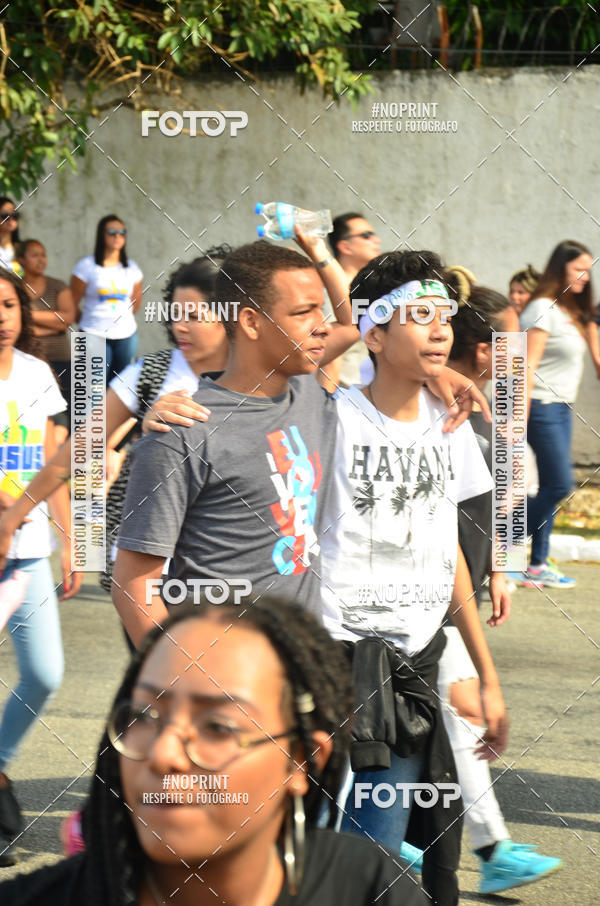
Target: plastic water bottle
281,219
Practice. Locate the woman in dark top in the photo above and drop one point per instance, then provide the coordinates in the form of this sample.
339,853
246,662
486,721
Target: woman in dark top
53,313
229,731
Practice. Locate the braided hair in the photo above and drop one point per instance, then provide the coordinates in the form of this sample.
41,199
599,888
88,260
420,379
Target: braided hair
318,673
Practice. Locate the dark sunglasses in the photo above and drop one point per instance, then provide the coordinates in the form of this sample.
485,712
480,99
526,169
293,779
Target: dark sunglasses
7,215
366,234
110,231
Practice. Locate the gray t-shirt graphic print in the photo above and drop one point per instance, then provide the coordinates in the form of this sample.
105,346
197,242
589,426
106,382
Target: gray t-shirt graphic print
240,496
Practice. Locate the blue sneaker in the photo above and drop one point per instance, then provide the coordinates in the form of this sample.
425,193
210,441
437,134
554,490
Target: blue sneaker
413,856
546,576
512,865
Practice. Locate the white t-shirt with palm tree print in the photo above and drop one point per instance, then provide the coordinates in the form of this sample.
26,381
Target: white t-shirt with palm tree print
390,538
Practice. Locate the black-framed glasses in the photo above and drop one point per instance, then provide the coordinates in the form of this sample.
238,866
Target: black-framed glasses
366,234
215,742
9,215
111,231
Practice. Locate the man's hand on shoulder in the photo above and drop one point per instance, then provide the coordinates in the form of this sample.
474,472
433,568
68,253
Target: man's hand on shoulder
177,408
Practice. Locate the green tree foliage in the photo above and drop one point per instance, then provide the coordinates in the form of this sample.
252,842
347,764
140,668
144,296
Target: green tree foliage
119,50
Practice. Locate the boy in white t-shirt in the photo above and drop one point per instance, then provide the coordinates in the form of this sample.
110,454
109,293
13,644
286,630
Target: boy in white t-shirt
392,565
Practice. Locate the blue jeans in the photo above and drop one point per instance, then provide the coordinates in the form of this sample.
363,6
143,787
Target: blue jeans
35,632
549,435
370,816
119,353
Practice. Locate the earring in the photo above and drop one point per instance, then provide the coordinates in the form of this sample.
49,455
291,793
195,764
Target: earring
294,843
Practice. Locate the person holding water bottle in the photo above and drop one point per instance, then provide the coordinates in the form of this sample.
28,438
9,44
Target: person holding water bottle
281,220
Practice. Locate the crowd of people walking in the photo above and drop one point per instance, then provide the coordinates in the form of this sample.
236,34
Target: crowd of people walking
342,470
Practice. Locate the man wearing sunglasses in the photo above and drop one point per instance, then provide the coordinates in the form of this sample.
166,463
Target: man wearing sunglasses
354,243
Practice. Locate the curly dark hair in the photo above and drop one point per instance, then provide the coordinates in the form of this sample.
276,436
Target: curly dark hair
201,273
111,868
27,342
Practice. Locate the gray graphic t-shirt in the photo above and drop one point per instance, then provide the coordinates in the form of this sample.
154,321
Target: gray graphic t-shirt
240,496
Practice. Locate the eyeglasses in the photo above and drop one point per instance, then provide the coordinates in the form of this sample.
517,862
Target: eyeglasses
9,215
112,232
366,234
215,742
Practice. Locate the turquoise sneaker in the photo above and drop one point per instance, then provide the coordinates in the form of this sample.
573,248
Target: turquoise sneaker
514,864
546,576
413,856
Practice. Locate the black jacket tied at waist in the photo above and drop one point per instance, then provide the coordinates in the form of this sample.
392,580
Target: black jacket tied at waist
399,710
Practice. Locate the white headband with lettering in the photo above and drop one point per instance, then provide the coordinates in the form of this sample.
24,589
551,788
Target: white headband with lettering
380,310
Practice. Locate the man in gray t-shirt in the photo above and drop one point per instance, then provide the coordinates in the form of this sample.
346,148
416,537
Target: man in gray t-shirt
241,496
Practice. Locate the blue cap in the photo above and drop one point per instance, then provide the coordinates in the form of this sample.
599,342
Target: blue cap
258,207
260,229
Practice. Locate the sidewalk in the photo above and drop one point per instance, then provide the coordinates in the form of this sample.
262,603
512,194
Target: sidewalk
548,780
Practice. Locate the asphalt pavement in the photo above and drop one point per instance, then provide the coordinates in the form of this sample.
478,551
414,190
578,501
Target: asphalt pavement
547,781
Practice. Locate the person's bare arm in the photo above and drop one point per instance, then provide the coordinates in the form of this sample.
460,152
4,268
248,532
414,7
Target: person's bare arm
42,331
536,343
458,393
343,333
77,288
136,296
500,598
591,335
135,578
59,505
56,322
463,611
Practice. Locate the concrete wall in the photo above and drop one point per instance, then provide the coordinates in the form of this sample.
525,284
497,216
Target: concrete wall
520,173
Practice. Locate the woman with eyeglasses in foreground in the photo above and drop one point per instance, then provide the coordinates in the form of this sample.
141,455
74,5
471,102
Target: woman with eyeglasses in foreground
110,284
247,706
